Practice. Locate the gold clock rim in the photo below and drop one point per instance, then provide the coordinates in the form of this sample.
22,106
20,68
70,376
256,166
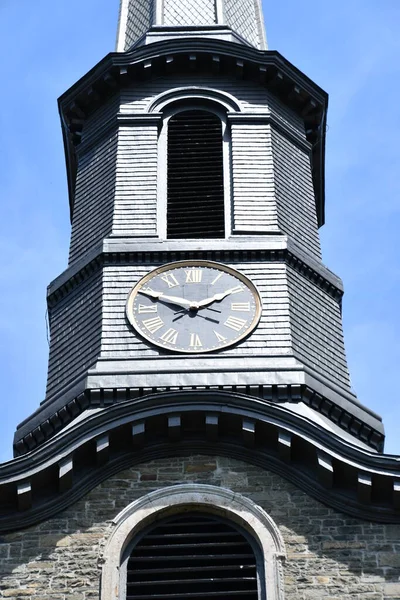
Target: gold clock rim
194,263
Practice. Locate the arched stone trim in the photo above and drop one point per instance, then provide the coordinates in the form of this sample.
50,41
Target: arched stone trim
190,93
220,501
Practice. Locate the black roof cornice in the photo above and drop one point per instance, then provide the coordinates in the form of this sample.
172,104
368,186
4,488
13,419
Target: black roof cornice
342,475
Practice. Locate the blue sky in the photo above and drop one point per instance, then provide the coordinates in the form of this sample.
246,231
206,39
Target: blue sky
351,48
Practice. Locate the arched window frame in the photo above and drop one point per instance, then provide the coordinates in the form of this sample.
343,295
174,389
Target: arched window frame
179,100
169,112
197,509
219,501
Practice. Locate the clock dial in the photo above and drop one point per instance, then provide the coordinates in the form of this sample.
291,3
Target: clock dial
194,306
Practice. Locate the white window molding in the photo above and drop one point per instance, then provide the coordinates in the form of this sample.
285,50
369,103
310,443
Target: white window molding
189,93
162,186
177,100
207,498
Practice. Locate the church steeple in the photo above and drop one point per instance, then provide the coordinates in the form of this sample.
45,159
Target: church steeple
145,21
195,145
195,315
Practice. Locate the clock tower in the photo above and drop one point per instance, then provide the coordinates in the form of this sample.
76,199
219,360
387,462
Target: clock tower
199,436
194,143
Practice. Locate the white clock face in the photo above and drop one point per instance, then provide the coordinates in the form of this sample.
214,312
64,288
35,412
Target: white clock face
194,306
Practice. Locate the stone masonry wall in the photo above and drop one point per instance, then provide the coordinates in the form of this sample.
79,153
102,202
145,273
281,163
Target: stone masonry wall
329,556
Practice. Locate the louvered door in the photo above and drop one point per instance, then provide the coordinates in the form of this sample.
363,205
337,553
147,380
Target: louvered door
192,556
195,204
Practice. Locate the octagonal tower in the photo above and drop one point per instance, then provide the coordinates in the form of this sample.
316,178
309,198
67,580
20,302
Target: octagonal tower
198,396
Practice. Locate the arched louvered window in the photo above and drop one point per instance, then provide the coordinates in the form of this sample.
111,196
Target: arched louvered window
195,180
193,556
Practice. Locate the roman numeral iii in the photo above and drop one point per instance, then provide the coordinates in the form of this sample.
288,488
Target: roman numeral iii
245,306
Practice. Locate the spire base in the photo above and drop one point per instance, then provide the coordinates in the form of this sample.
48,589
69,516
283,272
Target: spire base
215,32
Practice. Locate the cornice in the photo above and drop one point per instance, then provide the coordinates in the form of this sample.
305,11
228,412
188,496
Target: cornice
342,475
183,45
117,70
53,417
147,253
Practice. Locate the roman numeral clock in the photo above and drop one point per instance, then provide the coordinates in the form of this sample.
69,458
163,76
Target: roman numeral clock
194,306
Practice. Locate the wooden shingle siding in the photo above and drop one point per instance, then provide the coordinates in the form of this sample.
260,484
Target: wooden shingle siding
271,337
317,329
295,193
252,97
94,197
135,211
75,334
254,207
285,115
99,120
118,338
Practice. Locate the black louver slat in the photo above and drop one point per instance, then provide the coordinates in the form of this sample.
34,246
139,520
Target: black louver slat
192,557
195,206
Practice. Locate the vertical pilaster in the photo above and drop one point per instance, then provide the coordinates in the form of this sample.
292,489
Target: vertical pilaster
254,205
135,210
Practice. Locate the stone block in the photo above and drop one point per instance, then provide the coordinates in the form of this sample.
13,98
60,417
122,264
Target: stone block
18,592
41,566
389,559
343,545
201,468
329,556
392,590
148,477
